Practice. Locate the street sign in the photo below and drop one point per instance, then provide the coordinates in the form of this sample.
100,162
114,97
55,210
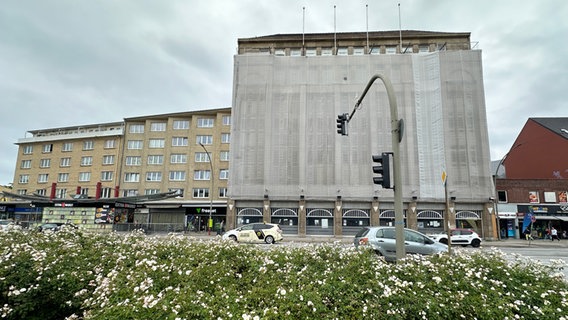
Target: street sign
444,176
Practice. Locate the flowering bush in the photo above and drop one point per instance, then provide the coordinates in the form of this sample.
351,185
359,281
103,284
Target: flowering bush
76,275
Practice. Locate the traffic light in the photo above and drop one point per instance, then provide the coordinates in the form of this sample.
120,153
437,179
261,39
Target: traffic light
342,124
382,168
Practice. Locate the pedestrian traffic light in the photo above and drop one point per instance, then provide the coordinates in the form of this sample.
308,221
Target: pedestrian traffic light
342,124
383,169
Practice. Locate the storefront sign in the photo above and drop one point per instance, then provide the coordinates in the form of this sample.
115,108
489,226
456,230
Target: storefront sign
507,215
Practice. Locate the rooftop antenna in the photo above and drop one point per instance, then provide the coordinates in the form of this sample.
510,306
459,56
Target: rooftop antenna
399,28
334,31
367,17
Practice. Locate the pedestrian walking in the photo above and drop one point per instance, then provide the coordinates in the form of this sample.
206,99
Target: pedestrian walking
554,234
528,235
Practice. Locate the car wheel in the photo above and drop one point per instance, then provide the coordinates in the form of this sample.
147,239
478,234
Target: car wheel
444,241
233,237
475,243
269,239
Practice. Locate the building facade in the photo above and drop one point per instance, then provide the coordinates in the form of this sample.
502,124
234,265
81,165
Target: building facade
533,179
129,160
289,166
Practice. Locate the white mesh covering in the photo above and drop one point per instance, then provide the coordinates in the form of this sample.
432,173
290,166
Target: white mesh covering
284,139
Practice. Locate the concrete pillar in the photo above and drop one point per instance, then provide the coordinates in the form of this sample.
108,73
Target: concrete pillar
338,217
302,218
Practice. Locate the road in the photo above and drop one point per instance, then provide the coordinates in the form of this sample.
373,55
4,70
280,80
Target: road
544,255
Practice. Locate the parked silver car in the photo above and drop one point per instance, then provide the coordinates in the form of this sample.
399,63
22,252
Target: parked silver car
383,241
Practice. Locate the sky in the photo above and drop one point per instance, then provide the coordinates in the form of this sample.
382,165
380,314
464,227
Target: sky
73,62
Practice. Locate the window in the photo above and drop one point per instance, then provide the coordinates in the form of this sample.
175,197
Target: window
226,120
342,51
201,193
22,191
224,174
181,124
424,48
106,192
107,175
24,178
177,175
45,163
63,177
205,122
129,192
134,144
151,191
26,164
154,176
177,190
156,143
358,51
65,162
84,176
40,192
28,149
223,193
133,160
155,159
224,155
131,177
179,141
43,178
295,52
110,144
158,126
375,50
60,193
502,196
136,128
390,50
86,161
202,157
279,52
326,51
225,138
66,147
204,139
202,175
311,52
178,158
47,148
108,159
88,145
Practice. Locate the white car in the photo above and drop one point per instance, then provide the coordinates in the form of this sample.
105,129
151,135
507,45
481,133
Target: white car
462,237
255,232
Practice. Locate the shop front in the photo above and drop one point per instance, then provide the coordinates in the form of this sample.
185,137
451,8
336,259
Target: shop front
545,217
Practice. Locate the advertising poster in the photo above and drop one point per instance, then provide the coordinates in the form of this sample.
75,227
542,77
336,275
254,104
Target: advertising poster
533,197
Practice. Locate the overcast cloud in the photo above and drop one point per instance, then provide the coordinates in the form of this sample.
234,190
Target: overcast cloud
71,62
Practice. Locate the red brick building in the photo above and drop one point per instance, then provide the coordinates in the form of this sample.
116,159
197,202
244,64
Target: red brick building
533,179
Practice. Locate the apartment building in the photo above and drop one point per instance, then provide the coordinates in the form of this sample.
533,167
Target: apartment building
112,172
289,165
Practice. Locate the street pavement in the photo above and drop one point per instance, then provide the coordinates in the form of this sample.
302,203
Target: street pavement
511,243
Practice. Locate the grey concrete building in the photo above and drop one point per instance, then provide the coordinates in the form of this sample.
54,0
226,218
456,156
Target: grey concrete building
289,165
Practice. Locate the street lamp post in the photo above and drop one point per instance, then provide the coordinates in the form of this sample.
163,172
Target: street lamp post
209,222
397,127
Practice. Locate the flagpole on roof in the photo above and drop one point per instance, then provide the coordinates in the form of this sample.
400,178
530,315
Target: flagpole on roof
367,18
399,28
334,31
